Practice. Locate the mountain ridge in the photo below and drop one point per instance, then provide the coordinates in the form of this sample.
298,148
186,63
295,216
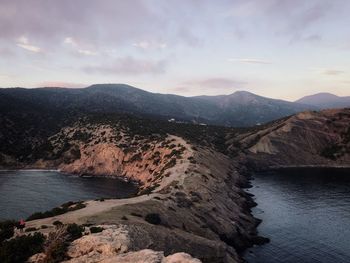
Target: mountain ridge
238,109
325,100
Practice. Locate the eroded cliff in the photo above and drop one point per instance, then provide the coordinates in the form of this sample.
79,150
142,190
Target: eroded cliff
307,138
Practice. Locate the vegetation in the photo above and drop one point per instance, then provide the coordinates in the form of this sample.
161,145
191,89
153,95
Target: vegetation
66,207
19,249
6,229
153,219
96,229
74,231
332,152
30,229
57,223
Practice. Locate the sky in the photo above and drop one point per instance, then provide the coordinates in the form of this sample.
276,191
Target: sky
276,48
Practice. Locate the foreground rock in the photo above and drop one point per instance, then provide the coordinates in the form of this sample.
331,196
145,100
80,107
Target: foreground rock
113,244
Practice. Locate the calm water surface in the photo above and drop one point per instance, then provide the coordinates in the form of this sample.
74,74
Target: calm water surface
25,192
305,213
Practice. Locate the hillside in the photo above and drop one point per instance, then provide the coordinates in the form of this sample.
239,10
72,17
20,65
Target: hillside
308,138
237,109
325,101
250,109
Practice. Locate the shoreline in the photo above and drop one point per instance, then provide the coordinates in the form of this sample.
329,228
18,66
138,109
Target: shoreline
30,170
121,178
203,203
323,166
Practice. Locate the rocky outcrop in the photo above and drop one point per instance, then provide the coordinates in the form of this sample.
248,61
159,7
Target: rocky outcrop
105,150
114,245
308,138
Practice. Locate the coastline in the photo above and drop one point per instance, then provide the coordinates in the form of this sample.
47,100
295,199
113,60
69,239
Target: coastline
202,203
323,166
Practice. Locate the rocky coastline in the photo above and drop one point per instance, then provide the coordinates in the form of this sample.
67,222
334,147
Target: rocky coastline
202,211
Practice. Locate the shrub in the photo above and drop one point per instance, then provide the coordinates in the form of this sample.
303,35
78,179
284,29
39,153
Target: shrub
56,253
75,231
6,229
331,151
64,208
30,229
96,229
170,164
19,249
78,206
56,246
57,223
153,218
136,157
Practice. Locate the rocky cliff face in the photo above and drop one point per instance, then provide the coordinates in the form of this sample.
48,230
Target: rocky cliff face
308,138
111,152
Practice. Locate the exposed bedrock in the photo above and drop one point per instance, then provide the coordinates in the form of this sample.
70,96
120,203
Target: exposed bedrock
199,208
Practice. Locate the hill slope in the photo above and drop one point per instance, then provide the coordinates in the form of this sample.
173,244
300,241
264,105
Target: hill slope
325,101
249,109
237,109
307,138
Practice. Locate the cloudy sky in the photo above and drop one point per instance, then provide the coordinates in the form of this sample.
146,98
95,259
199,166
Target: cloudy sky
277,48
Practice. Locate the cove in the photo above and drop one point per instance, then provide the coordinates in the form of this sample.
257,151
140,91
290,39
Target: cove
26,192
305,213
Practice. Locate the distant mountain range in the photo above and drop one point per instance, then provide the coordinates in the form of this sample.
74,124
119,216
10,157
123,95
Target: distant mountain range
238,109
325,100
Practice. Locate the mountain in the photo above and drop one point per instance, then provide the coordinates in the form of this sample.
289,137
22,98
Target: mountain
248,109
237,109
325,101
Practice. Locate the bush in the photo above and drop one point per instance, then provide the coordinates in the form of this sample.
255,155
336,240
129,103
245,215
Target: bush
64,208
57,223
96,229
30,229
19,249
56,246
153,218
170,164
56,252
6,229
331,151
75,231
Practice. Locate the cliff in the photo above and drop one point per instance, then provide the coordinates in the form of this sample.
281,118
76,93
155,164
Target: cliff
308,138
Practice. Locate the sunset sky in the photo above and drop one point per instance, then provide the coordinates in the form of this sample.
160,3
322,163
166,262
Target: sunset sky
277,48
